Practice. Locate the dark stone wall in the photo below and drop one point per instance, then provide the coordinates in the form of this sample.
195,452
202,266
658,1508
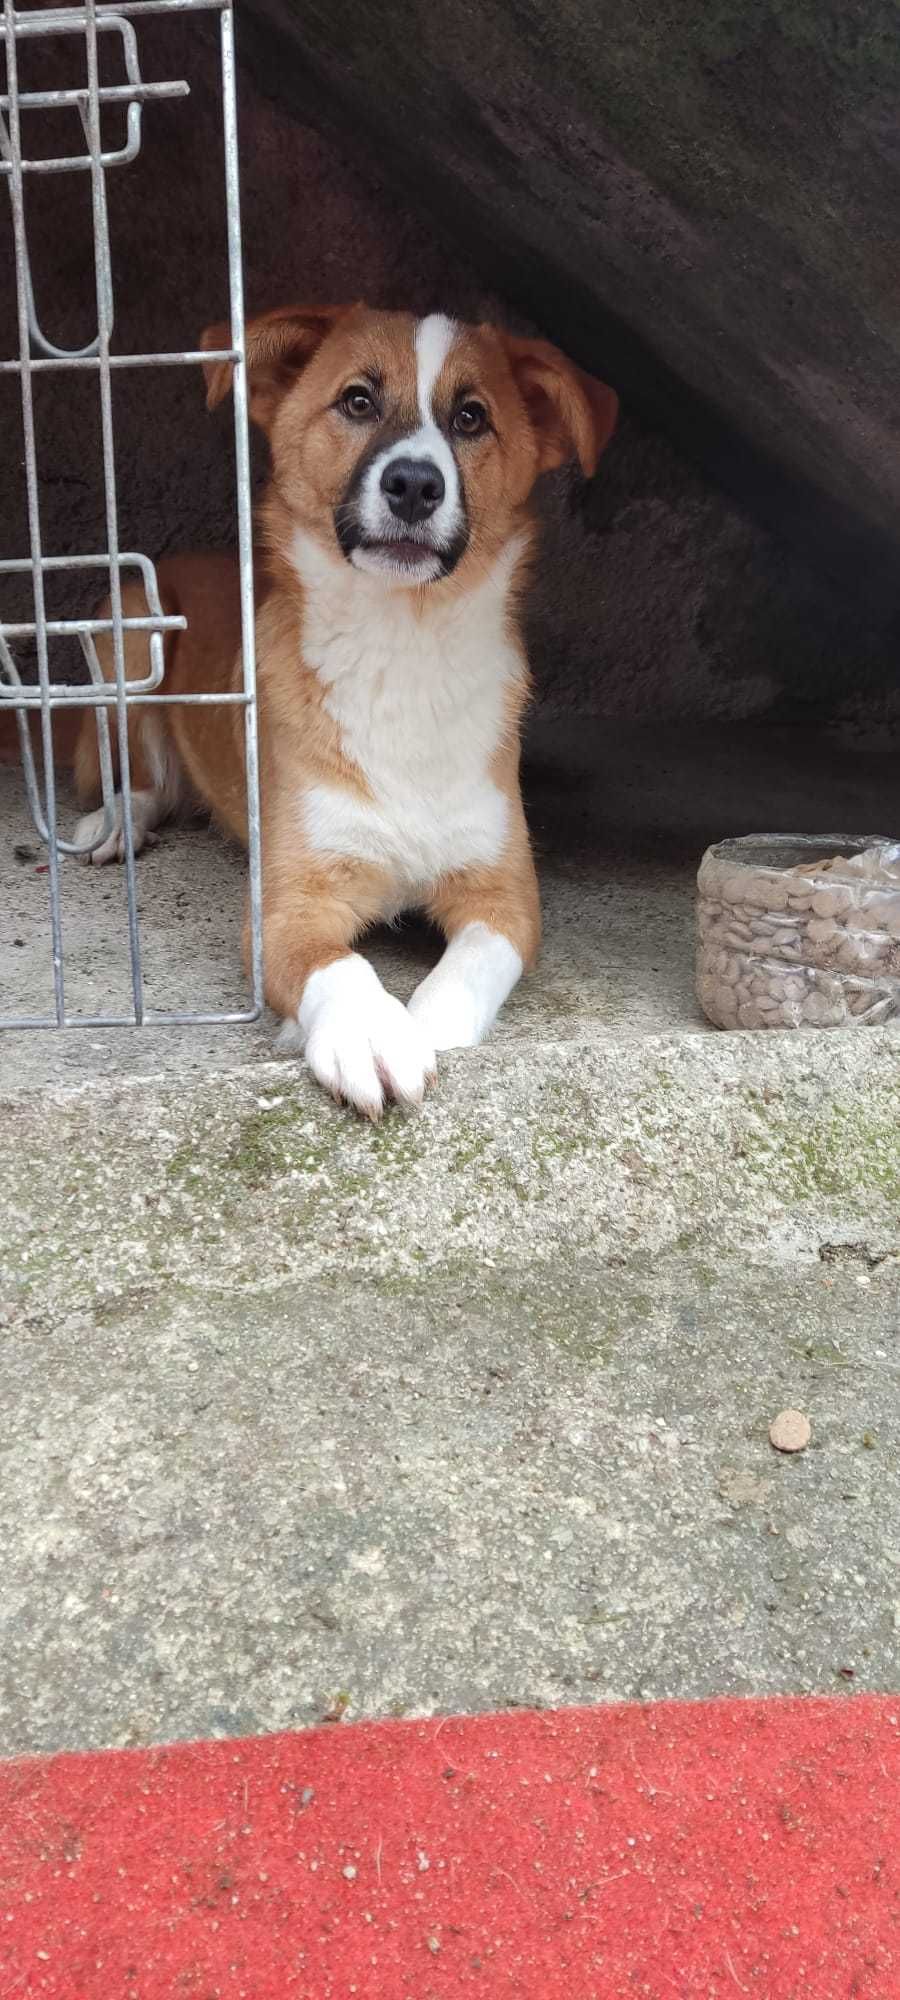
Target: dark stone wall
659,594
703,194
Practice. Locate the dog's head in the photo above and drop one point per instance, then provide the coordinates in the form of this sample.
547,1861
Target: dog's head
409,447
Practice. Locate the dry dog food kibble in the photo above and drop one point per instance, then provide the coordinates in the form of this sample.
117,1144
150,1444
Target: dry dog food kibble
790,1431
795,932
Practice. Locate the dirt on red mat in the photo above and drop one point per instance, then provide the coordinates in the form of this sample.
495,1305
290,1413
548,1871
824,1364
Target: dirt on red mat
709,1849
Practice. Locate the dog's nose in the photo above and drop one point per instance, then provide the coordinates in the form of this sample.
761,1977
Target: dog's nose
413,488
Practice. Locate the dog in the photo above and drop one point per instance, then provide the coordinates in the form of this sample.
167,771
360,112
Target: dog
397,536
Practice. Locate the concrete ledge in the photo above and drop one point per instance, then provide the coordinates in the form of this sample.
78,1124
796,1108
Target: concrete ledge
765,1144
601,1115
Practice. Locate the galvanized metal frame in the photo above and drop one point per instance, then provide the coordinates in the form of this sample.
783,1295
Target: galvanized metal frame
89,21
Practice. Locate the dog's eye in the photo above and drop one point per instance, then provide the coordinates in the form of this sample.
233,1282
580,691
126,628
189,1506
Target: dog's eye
470,420
356,402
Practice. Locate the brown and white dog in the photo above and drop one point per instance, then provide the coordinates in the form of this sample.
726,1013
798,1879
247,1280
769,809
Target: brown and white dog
392,675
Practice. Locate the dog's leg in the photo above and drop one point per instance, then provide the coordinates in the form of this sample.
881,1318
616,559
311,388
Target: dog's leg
148,808
158,786
491,919
359,1042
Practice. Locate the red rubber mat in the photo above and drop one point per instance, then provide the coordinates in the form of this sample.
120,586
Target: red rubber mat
718,1848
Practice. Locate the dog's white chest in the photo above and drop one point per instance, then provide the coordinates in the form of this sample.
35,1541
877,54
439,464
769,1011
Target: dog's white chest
420,708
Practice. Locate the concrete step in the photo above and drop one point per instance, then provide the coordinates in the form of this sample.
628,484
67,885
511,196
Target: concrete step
602,1113
772,1145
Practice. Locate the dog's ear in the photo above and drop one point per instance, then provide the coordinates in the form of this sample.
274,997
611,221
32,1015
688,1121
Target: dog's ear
572,414
277,346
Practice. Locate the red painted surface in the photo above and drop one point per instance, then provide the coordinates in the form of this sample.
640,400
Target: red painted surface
674,1850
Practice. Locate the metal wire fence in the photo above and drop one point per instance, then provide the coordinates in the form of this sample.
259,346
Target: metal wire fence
111,701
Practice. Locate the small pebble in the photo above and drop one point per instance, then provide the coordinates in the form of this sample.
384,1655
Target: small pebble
790,1431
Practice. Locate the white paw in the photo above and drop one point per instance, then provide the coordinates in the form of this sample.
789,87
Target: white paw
361,1044
449,1014
112,848
460,1000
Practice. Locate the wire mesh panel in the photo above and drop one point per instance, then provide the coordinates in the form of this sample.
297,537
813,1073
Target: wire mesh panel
94,101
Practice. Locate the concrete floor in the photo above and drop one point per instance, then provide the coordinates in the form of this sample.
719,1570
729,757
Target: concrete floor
620,819
221,1512
471,1409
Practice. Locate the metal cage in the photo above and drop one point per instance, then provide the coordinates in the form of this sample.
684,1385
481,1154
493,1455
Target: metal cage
85,25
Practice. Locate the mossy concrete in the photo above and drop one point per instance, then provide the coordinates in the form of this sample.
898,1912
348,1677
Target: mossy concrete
768,1145
602,1114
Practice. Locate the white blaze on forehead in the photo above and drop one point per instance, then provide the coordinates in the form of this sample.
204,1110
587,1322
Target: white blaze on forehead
434,339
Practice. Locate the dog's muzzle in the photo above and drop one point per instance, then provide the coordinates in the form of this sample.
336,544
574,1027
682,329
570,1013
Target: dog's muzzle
403,515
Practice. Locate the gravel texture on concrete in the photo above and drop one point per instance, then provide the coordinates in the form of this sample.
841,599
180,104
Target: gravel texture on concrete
226,1512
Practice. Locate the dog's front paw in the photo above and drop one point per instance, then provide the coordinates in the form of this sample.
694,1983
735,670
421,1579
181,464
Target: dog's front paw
112,848
459,1000
447,1013
361,1044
